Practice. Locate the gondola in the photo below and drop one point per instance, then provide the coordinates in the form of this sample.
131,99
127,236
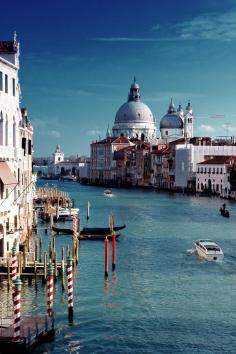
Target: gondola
89,232
224,212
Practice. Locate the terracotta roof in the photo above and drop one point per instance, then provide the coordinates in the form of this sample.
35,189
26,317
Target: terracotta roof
219,160
8,47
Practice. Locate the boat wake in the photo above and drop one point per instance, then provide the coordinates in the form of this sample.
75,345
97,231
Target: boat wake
190,251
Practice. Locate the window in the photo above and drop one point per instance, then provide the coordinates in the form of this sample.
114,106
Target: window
23,145
13,87
29,147
6,83
1,81
166,132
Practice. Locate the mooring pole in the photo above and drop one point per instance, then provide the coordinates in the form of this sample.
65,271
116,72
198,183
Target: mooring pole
50,290
70,287
17,309
113,251
106,246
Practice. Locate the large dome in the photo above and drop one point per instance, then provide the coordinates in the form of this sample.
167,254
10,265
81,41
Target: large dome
134,112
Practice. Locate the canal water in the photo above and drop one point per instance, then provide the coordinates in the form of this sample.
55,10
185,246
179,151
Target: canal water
162,298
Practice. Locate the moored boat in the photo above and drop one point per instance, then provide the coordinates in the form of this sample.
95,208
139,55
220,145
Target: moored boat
209,250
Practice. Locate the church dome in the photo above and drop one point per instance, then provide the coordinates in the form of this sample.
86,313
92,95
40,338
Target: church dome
134,112
172,119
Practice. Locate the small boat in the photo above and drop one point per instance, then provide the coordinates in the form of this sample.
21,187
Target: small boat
67,213
108,193
209,250
224,212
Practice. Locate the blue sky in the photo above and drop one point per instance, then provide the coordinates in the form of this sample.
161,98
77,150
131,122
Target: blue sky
78,59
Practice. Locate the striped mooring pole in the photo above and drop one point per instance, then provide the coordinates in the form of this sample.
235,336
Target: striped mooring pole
50,290
13,264
17,309
70,287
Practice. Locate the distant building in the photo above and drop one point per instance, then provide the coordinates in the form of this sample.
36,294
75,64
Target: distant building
76,168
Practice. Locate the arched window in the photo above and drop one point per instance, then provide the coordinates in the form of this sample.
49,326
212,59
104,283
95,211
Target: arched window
1,129
6,131
14,132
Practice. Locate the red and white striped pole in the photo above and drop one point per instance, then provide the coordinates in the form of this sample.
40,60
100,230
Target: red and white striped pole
70,286
113,251
50,290
13,264
106,245
75,222
17,309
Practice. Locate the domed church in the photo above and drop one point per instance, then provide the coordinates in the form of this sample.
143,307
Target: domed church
176,123
134,119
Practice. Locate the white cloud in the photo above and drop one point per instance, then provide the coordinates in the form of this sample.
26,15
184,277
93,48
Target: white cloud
229,128
54,133
207,128
209,26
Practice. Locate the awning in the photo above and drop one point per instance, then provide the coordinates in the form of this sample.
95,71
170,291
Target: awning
6,175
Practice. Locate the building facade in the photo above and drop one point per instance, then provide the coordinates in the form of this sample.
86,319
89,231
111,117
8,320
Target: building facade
17,183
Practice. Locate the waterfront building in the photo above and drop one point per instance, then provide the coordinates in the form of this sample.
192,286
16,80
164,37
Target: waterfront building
197,150
176,123
17,184
102,163
213,175
70,168
160,156
134,118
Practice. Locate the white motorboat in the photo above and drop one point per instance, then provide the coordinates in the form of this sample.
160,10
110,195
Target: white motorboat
65,213
108,193
209,250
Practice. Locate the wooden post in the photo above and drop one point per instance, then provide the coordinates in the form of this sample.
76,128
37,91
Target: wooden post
45,267
62,270
106,244
8,274
55,265
88,211
40,251
24,259
36,248
113,251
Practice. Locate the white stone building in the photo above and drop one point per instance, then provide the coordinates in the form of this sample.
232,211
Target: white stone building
134,119
213,175
17,184
188,155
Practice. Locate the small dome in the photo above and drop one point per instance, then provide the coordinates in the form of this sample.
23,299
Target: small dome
134,112
172,119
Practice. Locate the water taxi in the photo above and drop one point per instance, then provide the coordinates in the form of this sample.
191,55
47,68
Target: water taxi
209,250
